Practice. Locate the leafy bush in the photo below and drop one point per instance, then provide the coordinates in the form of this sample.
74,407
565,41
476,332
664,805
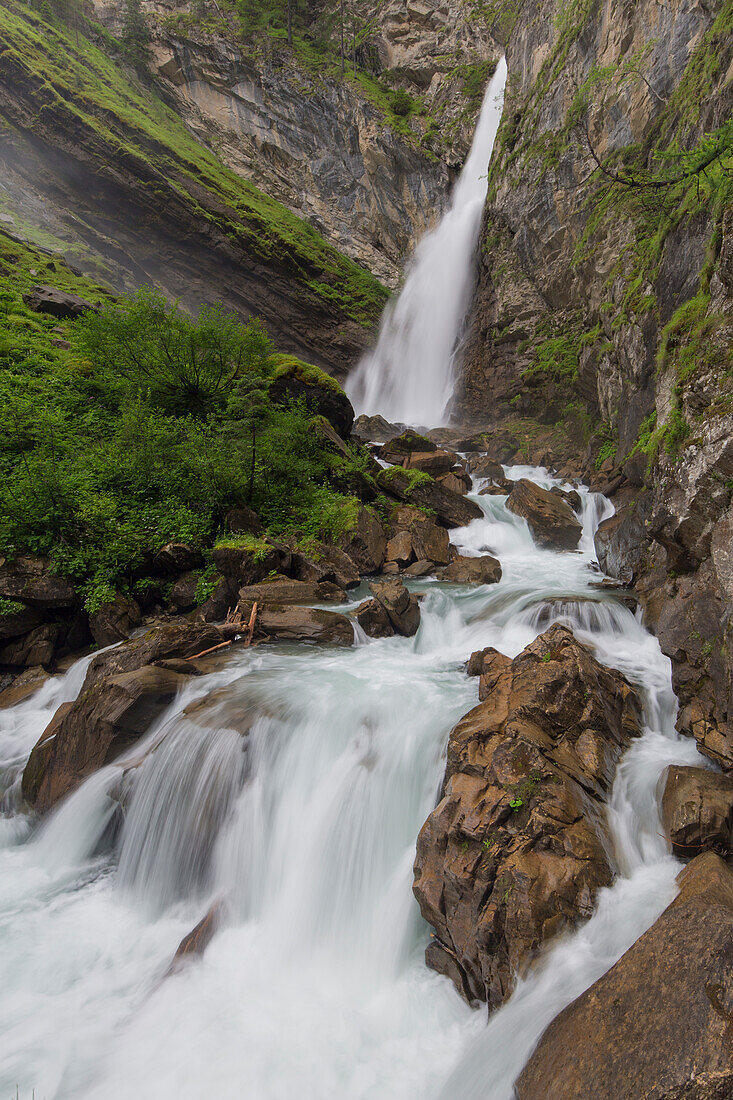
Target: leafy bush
147,431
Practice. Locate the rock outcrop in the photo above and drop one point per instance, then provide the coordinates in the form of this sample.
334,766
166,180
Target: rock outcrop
516,849
483,570
551,520
697,811
658,1024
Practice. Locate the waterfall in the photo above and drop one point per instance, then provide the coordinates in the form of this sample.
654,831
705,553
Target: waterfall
290,786
409,375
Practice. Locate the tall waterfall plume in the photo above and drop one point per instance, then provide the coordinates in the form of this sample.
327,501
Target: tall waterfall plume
409,376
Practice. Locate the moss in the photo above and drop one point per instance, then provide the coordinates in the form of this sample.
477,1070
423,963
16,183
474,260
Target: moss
257,548
409,480
289,366
83,90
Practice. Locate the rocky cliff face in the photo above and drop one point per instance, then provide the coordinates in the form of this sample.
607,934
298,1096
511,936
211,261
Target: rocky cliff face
605,295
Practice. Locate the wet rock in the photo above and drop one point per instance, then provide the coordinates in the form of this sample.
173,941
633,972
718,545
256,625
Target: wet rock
83,736
658,1023
32,581
374,620
551,520
400,605
330,564
484,466
697,811
22,686
37,647
221,601
430,541
570,496
456,482
516,849
365,542
483,570
305,624
422,568
199,938
59,303
451,509
114,621
620,542
281,590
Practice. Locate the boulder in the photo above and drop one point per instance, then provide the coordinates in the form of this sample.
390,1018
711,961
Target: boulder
484,466
14,623
620,542
433,462
251,562
243,520
176,557
37,647
456,482
33,582
400,550
658,1024
483,570
328,564
398,449
697,811
222,599
182,596
375,429
98,725
305,624
22,686
374,620
402,608
114,621
365,542
570,496
451,509
422,568
430,541
516,848
59,303
281,590
83,736
296,381
551,520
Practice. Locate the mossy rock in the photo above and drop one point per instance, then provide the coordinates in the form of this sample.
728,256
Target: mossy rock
295,381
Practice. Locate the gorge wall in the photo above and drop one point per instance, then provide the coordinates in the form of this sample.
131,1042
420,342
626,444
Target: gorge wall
604,300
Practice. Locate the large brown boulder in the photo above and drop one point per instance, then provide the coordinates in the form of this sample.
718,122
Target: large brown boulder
375,429
248,561
59,303
18,620
483,570
84,736
176,557
32,581
112,710
374,620
428,540
402,608
481,465
305,624
451,509
516,849
621,542
658,1024
433,462
697,811
365,541
327,563
551,520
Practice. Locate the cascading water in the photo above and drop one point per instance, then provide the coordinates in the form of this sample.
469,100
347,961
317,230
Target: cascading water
290,787
409,376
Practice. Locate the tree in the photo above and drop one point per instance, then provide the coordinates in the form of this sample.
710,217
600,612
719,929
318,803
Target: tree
136,33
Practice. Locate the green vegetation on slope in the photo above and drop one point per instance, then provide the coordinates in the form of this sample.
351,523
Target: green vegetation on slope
136,426
74,84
